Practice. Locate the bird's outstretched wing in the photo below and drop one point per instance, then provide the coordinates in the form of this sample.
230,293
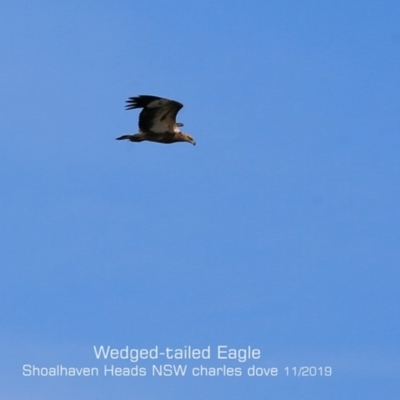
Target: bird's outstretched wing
158,114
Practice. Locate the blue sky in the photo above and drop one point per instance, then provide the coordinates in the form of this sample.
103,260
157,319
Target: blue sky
279,230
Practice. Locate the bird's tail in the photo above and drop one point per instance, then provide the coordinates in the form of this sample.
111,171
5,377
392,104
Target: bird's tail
137,137
124,137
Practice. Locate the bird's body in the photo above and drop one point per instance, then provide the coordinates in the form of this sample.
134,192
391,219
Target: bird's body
157,120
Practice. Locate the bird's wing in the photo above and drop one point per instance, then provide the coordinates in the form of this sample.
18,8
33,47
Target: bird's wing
158,114
141,101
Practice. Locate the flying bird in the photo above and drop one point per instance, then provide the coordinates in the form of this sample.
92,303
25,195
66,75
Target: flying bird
157,120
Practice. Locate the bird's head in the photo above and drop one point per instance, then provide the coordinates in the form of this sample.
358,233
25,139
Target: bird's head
189,139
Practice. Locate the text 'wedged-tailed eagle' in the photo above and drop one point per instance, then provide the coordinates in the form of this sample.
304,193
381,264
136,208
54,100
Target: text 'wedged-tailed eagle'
157,120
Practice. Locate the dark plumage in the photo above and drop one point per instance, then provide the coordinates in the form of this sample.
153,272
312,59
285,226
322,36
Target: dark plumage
157,120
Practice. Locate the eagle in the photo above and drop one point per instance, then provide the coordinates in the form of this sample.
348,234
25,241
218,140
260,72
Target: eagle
157,120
